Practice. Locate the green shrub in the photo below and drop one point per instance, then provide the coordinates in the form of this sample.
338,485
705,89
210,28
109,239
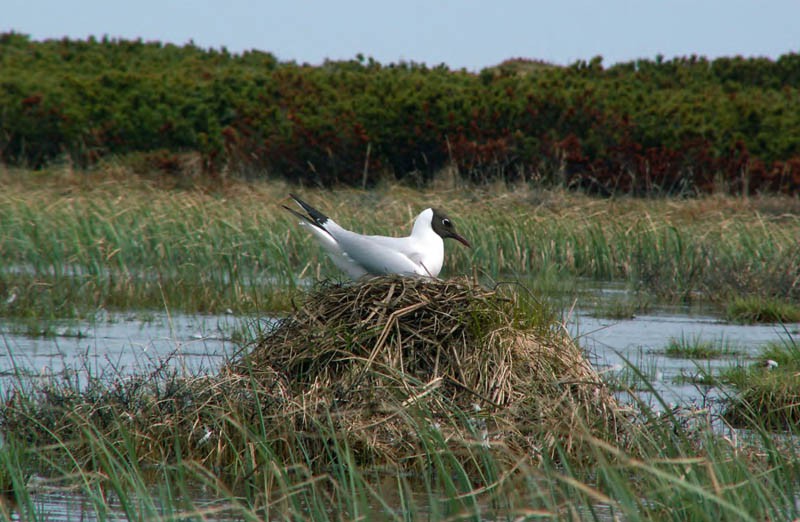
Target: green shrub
681,126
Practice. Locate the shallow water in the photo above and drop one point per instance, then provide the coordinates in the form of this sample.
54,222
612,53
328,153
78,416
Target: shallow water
114,345
122,343
641,341
59,504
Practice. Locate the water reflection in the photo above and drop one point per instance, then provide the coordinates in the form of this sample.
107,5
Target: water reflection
61,504
125,343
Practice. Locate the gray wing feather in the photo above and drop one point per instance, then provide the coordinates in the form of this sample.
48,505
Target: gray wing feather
377,257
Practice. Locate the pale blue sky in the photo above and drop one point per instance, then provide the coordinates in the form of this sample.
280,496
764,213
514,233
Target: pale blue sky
466,33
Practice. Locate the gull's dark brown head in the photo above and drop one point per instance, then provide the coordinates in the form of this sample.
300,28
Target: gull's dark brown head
443,226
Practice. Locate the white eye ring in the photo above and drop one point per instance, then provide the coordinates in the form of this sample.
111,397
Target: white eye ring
446,222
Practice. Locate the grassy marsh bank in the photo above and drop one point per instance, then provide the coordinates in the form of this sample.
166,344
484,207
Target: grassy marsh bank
262,446
71,243
752,309
686,473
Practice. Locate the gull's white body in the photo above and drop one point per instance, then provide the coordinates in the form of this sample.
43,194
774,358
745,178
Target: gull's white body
421,253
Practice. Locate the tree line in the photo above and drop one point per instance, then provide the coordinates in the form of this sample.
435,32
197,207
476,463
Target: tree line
687,124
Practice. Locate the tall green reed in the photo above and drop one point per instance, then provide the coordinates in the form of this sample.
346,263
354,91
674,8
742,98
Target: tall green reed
707,257
141,249
68,249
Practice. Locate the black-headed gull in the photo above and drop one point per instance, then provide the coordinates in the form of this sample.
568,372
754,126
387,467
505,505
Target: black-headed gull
421,253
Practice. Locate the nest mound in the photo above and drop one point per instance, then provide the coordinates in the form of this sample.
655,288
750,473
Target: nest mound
478,364
388,368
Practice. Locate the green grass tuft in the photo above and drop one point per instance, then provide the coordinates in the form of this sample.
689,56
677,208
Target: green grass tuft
753,309
697,348
622,308
767,392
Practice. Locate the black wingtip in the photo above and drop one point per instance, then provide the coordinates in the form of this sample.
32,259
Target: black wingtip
296,214
317,217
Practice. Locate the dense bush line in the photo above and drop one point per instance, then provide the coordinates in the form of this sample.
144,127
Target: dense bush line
668,126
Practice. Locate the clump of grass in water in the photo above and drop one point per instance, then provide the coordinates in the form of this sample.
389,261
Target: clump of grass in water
701,378
698,348
755,309
622,308
768,390
450,341
638,375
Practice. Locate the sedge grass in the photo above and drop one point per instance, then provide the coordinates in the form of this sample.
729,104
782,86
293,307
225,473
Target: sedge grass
768,390
677,472
76,242
70,252
622,308
695,347
751,309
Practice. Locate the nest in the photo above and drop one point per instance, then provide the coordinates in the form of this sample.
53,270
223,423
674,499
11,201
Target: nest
381,367
478,365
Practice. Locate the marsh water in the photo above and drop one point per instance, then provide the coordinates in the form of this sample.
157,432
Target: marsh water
122,343
129,342
117,343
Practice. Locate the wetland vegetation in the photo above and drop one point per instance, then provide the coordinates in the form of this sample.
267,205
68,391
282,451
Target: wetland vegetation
362,427
769,388
140,177
106,241
697,348
72,243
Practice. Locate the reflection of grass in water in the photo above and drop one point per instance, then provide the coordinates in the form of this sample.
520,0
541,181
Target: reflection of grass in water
49,329
702,375
696,347
621,308
700,378
751,310
638,374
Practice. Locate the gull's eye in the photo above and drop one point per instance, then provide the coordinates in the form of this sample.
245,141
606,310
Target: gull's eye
446,222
